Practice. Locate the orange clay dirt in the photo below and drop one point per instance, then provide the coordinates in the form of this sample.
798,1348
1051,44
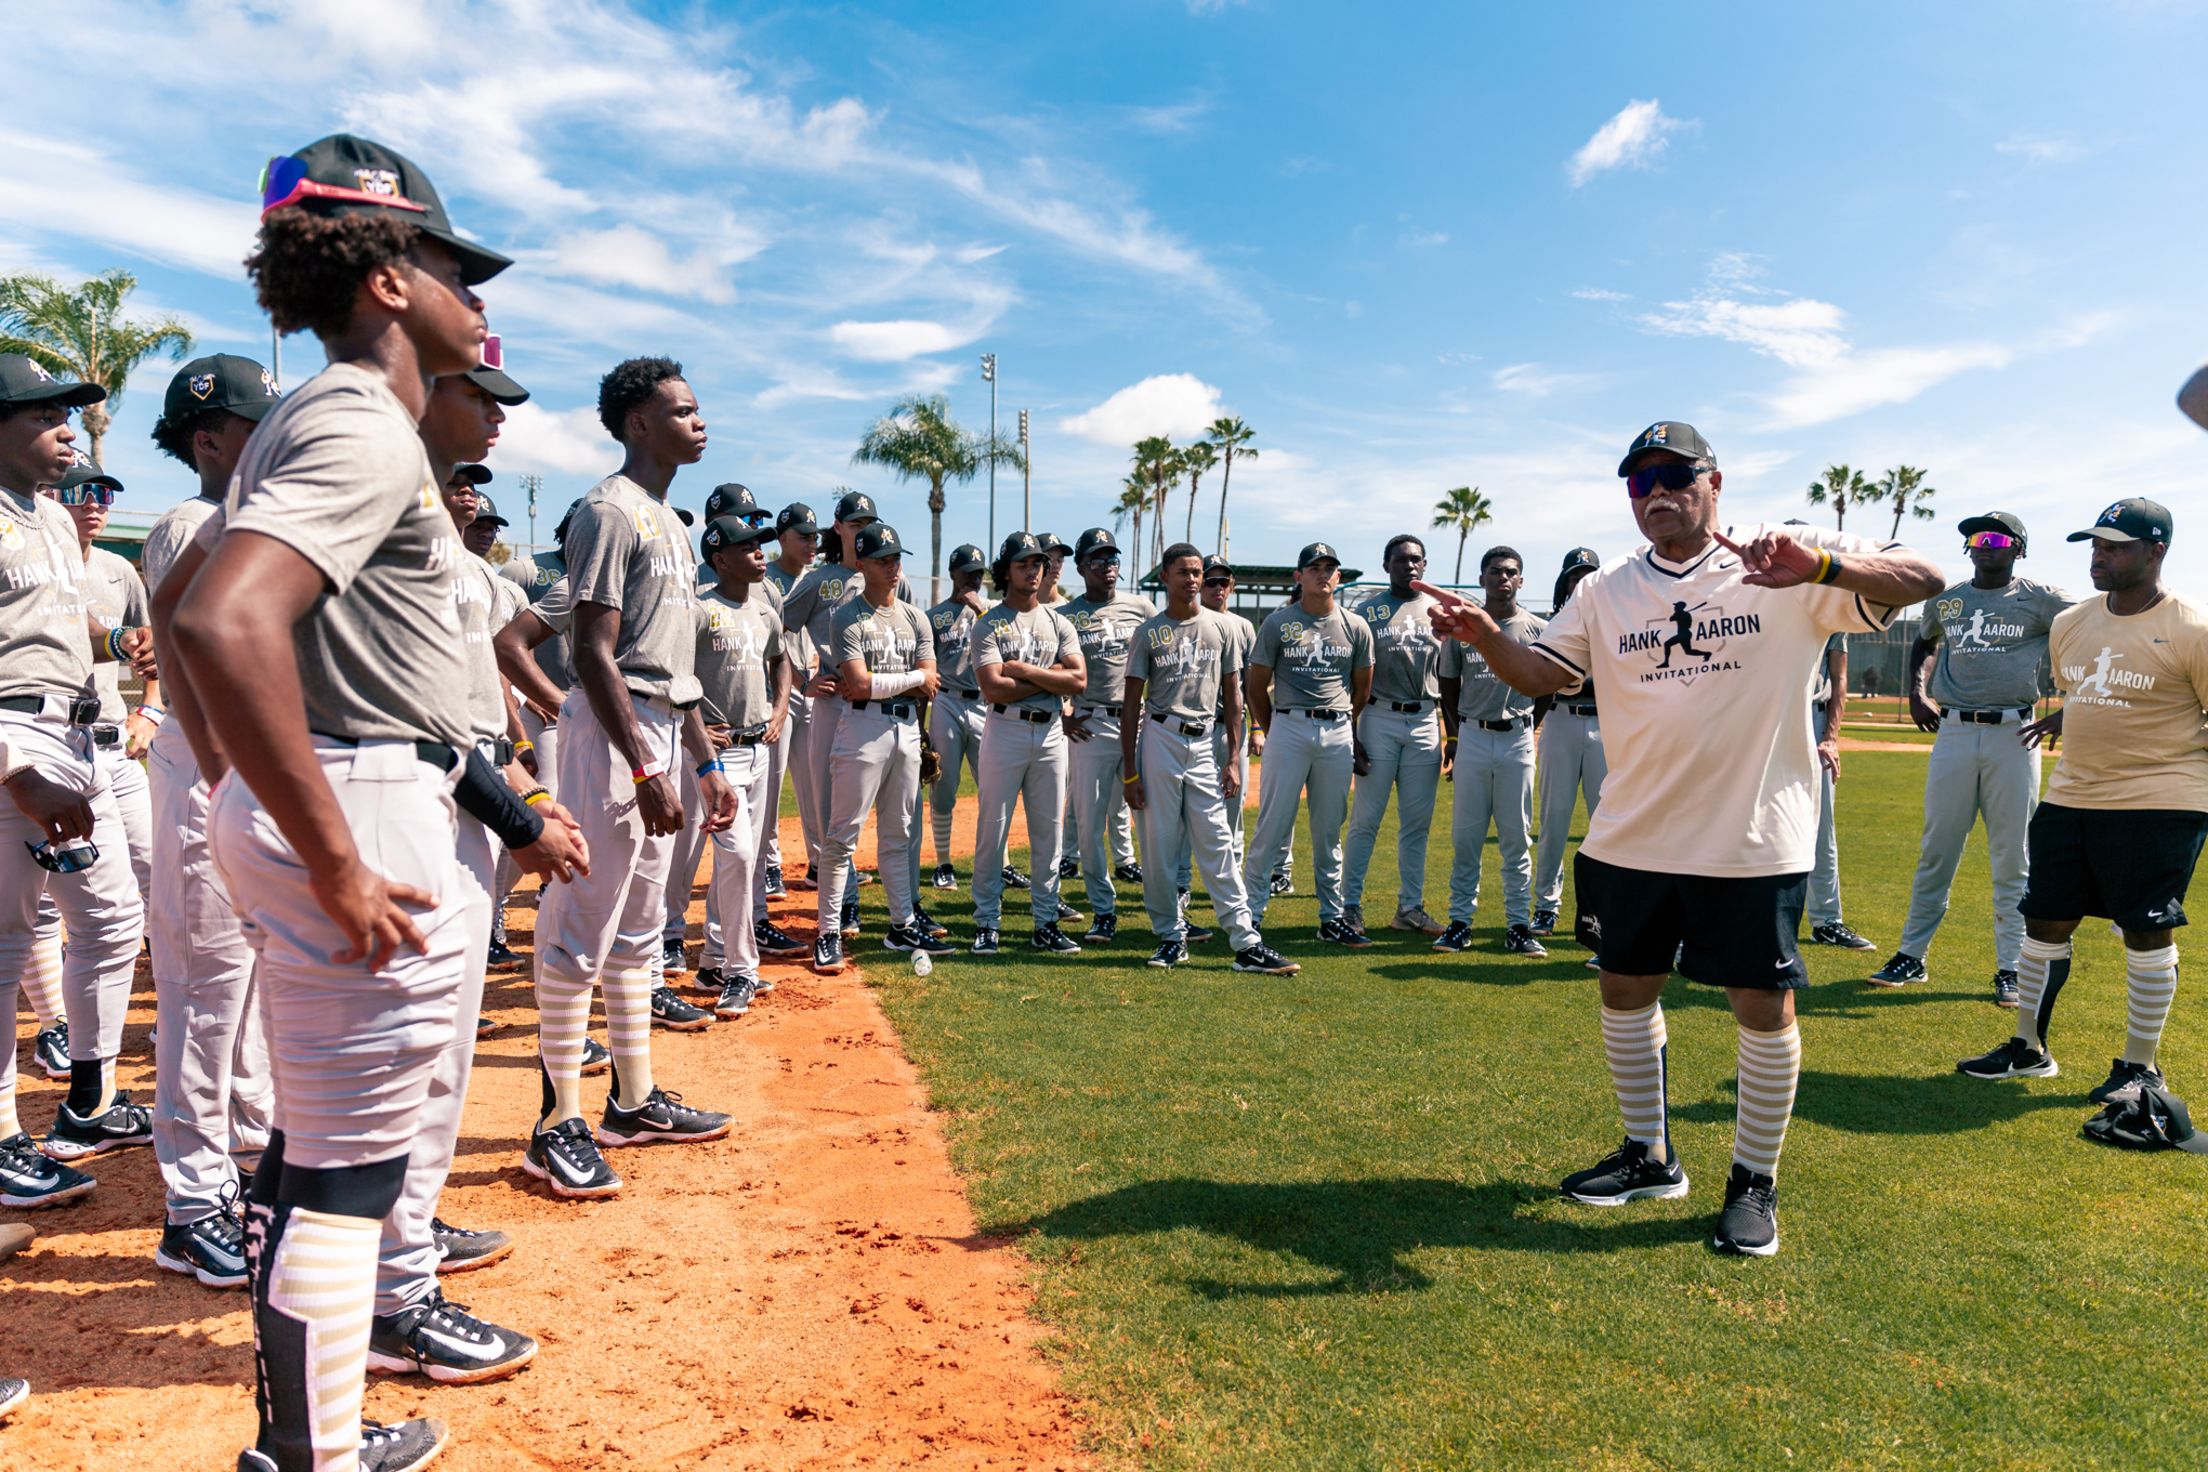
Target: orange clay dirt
808,1293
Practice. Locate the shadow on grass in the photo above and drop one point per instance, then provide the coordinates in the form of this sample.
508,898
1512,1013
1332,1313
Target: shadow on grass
1358,1230
1898,1104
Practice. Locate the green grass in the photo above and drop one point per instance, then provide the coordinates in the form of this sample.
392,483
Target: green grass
1312,1223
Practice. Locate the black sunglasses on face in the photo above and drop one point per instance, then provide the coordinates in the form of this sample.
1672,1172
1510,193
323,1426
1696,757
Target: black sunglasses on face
1672,475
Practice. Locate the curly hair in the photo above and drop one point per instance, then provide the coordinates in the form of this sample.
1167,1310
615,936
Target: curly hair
629,384
308,267
174,436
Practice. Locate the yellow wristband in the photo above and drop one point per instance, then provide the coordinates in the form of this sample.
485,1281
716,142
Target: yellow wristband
1824,566
542,794
525,744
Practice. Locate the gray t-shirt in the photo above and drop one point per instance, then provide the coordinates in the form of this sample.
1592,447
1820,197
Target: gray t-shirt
738,646
625,550
1405,654
114,594
795,645
1184,665
1483,697
535,577
170,536
1241,644
951,622
45,648
482,602
887,641
1312,658
1992,643
337,473
811,605
1040,636
1105,630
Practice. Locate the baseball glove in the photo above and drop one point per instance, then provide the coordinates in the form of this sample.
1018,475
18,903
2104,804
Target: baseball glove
931,765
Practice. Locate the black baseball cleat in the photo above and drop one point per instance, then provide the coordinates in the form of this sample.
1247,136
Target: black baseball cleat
1628,1173
51,1051
2015,1058
735,997
1900,969
2125,1080
211,1249
485,1025
1519,940
13,1393
662,1119
1457,937
945,877
1544,922
671,960
1838,934
866,877
74,1137
1068,915
761,985
2005,990
1014,879
909,938
708,979
597,1058
828,954
462,1251
985,940
1191,933
1341,933
774,941
1053,940
676,1015
1262,957
1102,930
500,958
566,1158
1169,953
776,889
444,1341
802,881
922,920
1280,884
850,918
404,1446
1749,1224
1068,868
1128,873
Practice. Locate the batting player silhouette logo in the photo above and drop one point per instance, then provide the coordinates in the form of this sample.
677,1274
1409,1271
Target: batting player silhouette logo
2097,682
1682,620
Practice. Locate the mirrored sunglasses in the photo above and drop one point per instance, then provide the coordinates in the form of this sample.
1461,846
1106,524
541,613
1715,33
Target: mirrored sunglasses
72,857
1990,539
1672,475
88,494
284,182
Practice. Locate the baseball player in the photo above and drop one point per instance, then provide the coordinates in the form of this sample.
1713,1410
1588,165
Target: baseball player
1397,749
1828,701
1701,849
797,536
1489,756
1105,620
1974,677
634,710
1180,675
2121,826
1027,660
49,645
1570,762
539,746
317,650
479,535
1313,665
212,1096
883,656
956,715
1230,739
746,679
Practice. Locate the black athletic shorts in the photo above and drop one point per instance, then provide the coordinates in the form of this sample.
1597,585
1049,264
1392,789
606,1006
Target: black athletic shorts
1724,932
2131,865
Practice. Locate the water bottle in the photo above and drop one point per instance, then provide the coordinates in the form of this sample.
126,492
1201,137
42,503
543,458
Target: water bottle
922,963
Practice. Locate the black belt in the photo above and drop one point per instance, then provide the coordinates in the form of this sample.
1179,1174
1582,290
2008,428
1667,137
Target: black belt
1580,710
83,709
1024,713
1510,725
497,750
967,694
751,736
436,753
1408,707
1990,717
900,710
24,705
1320,715
1175,723
107,735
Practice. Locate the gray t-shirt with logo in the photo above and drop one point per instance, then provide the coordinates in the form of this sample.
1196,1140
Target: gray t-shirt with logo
1106,630
952,624
1484,697
1312,657
1184,664
170,536
738,646
45,646
795,645
1992,643
337,473
1040,636
887,641
1406,656
115,596
811,605
537,576
626,550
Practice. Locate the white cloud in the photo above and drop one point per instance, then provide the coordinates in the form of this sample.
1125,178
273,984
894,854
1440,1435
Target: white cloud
1534,381
629,255
1213,7
1177,404
1799,332
1170,117
77,189
2041,148
1424,238
1600,294
564,441
891,342
1630,140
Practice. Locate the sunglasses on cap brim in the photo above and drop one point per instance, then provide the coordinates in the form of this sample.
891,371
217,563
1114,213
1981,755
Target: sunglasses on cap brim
1992,540
88,494
1672,475
284,182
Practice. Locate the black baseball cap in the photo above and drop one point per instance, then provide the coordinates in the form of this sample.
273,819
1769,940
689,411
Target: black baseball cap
684,515
1020,546
220,381
730,500
85,473
559,533
486,510
1580,557
25,381
1052,544
856,506
472,473
1215,564
490,375
732,531
348,175
966,557
1993,521
877,540
2134,519
1317,552
796,516
1095,539
1672,436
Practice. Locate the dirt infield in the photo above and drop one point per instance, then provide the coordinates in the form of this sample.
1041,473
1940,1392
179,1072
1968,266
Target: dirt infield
808,1293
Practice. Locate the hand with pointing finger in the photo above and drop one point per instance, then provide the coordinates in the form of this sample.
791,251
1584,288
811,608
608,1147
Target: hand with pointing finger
1455,617
1774,559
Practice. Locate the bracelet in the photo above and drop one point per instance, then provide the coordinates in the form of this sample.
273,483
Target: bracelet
1823,574
153,713
536,795
712,766
115,644
1830,572
653,768
1129,781
524,744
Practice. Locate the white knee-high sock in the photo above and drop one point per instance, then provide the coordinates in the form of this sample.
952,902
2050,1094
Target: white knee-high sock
2042,967
629,1032
940,818
1770,1067
324,1275
2150,985
563,1015
1635,1042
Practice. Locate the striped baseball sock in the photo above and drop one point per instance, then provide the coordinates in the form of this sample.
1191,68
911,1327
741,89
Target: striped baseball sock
322,1276
940,817
1770,1067
2150,985
1635,1044
563,1015
42,982
629,1033
10,1125
2041,968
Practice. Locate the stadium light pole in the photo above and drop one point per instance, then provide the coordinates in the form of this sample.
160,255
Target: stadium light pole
989,376
1027,478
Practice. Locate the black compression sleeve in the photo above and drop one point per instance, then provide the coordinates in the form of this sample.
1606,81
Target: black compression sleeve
485,796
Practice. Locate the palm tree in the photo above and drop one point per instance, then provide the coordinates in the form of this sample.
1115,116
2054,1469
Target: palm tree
1840,489
82,334
1134,498
1904,489
1464,511
1229,437
1196,459
918,440
1158,463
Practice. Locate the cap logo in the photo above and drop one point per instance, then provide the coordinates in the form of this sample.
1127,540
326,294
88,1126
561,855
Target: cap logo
378,181
38,371
1656,434
203,384
2112,515
268,384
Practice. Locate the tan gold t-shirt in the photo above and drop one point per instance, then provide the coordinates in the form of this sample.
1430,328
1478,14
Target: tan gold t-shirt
2134,731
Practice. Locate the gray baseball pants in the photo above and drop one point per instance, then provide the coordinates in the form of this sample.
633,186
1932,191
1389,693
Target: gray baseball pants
1184,811
954,728
1024,761
737,892
827,718
800,737
1975,771
1494,777
134,801
1404,749
876,757
1301,754
1098,800
1572,765
1225,746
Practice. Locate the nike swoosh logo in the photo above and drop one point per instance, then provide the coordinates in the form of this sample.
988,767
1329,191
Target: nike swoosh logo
575,1174
462,1347
1780,965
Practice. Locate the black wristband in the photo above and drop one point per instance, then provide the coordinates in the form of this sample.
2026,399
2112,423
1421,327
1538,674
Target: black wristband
487,797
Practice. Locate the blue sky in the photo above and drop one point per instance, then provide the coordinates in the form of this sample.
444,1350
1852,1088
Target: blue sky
1414,246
